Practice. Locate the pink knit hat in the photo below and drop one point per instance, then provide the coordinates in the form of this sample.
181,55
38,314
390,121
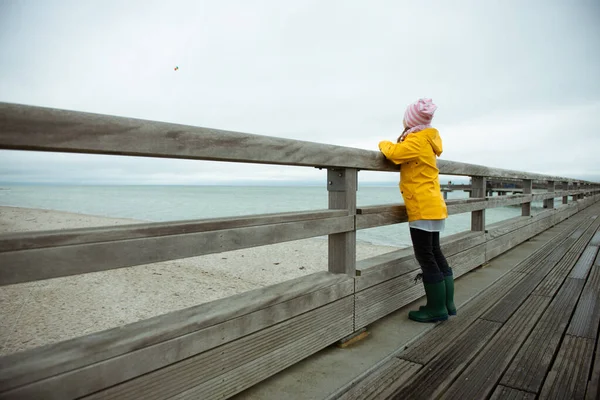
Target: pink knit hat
419,113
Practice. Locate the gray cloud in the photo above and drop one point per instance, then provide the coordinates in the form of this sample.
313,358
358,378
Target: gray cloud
516,83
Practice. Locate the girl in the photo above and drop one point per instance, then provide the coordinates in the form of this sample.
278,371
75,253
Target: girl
416,150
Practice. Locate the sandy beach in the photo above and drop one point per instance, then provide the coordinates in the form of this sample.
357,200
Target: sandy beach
42,312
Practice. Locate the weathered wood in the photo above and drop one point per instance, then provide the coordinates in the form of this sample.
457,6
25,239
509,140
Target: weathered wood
593,388
498,245
506,393
478,191
583,265
587,314
398,216
342,186
65,237
424,349
565,187
595,240
526,207
468,260
432,380
572,260
25,127
549,203
220,372
378,269
376,301
535,355
52,262
478,380
568,377
394,371
159,341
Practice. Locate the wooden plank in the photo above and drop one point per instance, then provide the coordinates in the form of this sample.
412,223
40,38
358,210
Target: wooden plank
583,265
526,207
368,265
64,237
587,314
509,225
478,380
565,197
24,127
229,369
503,310
432,380
596,239
562,248
444,335
382,219
506,393
557,276
549,202
572,257
593,387
382,268
478,190
147,343
377,301
342,186
395,371
468,260
30,265
226,370
256,355
568,377
504,243
536,354
385,271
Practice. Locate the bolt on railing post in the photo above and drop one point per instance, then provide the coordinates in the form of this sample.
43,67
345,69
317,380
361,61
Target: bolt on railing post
549,203
565,186
342,185
478,189
526,207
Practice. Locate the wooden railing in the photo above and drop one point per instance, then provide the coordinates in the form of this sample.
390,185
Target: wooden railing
222,347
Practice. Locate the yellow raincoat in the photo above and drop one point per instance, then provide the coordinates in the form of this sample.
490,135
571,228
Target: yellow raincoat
419,175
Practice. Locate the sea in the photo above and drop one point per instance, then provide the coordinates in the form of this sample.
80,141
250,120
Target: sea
173,203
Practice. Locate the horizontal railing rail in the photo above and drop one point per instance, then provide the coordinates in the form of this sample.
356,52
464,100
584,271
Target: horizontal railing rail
24,127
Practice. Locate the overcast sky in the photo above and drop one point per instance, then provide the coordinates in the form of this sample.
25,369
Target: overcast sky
517,82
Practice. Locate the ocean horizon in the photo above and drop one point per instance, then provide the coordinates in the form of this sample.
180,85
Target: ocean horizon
159,203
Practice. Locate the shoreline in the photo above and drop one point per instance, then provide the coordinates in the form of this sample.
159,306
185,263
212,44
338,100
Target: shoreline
37,313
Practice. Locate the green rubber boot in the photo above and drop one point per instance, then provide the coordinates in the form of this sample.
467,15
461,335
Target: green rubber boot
435,310
449,281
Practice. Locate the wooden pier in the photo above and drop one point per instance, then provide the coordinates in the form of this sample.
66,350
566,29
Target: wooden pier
526,335
532,334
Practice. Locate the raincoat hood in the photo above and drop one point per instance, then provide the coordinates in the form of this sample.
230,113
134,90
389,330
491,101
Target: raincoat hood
434,139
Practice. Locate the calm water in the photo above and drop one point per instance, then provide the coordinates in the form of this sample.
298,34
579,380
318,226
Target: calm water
166,203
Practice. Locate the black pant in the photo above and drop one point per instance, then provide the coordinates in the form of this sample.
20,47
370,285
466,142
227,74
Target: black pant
429,255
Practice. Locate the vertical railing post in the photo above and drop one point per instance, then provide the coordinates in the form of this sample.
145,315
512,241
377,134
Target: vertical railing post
478,189
342,185
549,203
565,186
526,207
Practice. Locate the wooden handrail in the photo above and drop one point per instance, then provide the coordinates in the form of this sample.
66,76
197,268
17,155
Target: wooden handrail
24,127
